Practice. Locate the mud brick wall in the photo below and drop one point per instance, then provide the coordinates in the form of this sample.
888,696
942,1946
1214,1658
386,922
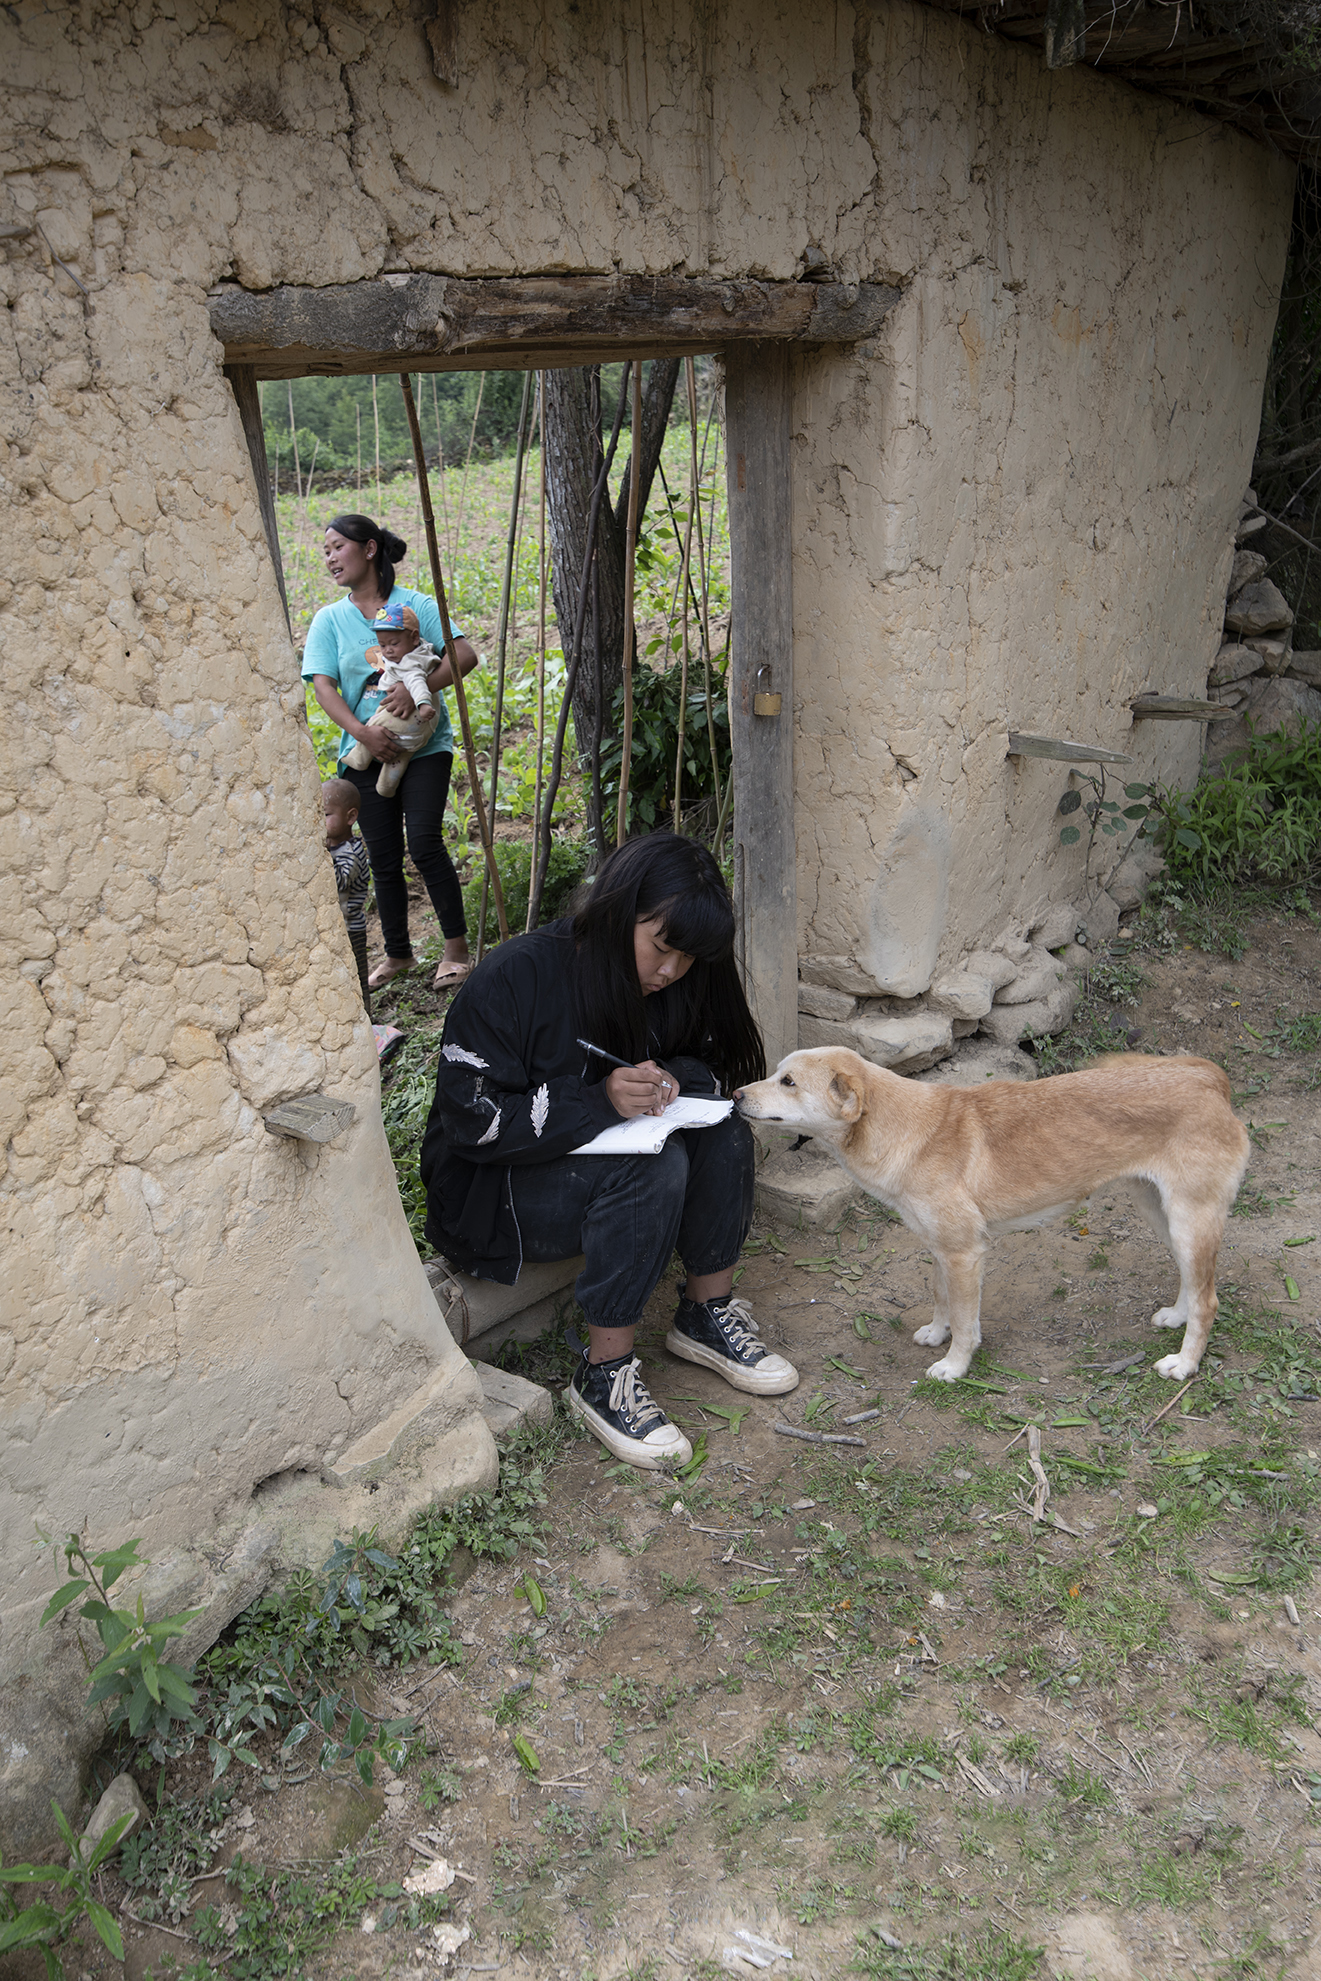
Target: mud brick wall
1014,509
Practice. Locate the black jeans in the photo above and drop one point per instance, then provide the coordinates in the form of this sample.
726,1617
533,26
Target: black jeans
418,806
628,1214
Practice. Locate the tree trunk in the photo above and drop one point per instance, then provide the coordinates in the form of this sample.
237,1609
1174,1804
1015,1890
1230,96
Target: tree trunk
573,460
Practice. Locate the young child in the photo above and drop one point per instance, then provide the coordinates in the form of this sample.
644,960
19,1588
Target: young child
404,658
353,874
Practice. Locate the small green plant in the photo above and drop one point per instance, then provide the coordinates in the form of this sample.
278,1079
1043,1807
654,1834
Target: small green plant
1258,818
1106,816
1023,1748
40,1927
132,1683
438,1785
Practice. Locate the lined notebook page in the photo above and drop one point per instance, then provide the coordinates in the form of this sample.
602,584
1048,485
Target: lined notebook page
647,1134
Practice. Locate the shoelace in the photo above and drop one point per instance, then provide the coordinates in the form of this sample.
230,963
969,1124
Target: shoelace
735,1322
629,1392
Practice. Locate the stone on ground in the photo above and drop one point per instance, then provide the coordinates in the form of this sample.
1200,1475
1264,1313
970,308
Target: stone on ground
980,1061
122,1798
804,1186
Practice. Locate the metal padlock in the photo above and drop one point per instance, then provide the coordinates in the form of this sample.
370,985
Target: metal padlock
764,702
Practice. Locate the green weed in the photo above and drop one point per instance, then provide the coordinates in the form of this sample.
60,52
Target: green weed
992,1956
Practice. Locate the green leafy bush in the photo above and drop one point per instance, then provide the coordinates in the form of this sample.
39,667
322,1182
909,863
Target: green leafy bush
1259,818
568,864
656,741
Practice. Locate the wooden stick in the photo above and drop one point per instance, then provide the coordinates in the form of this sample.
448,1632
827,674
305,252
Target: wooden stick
806,1437
502,641
534,891
1170,1405
684,583
862,1416
630,562
456,672
691,380
1042,1493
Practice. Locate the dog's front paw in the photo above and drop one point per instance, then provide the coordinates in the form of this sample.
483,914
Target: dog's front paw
1168,1317
1177,1367
932,1334
947,1370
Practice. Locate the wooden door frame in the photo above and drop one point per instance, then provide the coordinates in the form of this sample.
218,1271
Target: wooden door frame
420,323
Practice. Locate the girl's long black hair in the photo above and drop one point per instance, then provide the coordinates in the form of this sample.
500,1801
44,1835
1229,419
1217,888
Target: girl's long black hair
389,548
676,883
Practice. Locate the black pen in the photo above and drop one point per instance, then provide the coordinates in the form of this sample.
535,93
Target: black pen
601,1053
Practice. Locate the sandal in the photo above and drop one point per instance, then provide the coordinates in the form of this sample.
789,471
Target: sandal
387,971
450,975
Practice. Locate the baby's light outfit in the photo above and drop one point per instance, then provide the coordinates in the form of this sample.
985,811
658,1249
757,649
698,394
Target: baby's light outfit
411,731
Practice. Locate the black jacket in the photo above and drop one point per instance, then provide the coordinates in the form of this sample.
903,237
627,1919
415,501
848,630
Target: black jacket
512,1087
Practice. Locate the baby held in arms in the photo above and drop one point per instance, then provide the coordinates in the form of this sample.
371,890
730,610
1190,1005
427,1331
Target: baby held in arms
404,659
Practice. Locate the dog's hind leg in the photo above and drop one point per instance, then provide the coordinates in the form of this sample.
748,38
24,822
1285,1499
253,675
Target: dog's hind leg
961,1283
1195,1234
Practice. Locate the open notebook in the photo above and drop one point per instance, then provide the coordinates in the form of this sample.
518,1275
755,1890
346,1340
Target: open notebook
647,1134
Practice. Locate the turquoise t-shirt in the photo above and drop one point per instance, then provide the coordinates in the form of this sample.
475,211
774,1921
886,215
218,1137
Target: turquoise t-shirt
337,643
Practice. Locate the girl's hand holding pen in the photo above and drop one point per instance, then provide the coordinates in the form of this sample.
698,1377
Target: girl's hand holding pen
634,1090
644,1089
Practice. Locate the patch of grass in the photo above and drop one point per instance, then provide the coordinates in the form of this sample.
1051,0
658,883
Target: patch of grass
1083,1786
992,1956
1025,1748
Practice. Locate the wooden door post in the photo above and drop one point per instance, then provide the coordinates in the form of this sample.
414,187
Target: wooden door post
243,384
757,427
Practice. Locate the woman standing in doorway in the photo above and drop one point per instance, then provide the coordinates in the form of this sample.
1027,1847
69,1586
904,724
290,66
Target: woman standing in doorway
361,557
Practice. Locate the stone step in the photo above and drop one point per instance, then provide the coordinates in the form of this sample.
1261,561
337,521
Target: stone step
803,1187
510,1401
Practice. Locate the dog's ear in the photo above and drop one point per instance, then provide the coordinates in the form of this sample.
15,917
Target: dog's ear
845,1100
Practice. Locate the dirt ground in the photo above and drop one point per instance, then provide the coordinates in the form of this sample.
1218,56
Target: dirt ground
851,1698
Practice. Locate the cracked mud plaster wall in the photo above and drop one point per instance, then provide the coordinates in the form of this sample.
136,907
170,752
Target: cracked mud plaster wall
1013,508
188,1304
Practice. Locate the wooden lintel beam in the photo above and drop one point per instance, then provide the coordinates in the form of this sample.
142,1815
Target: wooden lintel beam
446,323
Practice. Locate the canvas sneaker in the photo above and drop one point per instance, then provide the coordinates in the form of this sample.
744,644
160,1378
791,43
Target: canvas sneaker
721,1334
617,1407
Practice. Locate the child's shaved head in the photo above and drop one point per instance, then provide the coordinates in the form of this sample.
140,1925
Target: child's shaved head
341,793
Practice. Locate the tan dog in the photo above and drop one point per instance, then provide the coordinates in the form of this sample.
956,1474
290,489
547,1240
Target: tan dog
961,1164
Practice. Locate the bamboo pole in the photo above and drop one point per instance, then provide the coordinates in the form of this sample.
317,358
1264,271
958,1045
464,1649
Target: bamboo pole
293,435
706,586
630,560
534,891
467,463
376,421
456,674
684,582
502,638
450,544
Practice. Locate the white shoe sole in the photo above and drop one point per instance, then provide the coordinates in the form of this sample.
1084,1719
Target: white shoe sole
771,1376
660,1451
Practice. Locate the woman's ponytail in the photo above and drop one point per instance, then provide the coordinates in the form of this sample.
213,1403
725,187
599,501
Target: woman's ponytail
390,549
